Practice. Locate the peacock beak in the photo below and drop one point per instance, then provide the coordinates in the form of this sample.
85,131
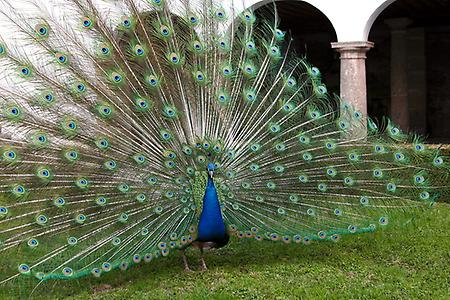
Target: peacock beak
211,173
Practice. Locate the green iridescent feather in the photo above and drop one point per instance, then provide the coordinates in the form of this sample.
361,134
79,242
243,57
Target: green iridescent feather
110,120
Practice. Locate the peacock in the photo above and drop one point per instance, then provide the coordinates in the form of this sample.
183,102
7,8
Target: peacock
134,129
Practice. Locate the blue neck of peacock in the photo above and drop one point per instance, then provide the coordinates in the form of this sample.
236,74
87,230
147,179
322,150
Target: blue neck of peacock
211,226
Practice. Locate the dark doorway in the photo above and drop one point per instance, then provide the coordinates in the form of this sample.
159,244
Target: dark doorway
312,33
427,38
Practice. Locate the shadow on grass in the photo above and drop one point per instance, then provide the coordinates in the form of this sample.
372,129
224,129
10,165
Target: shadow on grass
417,245
239,256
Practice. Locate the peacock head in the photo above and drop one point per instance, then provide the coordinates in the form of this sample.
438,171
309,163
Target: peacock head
211,169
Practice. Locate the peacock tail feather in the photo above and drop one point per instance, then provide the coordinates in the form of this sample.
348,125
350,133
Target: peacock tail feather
111,112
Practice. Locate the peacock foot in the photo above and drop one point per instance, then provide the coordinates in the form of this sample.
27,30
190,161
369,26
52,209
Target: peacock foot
185,261
203,266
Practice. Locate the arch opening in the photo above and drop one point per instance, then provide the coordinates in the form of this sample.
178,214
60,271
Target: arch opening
408,70
312,32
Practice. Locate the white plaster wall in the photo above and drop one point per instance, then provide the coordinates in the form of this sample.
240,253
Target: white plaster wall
351,19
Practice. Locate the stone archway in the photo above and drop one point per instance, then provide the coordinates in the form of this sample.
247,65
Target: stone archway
312,32
409,70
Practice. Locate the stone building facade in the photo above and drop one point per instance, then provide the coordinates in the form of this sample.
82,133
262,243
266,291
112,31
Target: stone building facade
387,57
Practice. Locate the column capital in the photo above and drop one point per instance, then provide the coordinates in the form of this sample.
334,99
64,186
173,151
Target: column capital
352,50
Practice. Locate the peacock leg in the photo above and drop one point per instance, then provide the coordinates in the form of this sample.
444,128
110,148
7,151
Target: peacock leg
202,261
185,261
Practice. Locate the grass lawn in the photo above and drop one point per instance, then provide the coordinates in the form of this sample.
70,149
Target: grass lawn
408,263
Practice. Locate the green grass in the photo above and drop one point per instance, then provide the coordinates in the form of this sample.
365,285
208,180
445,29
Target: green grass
407,263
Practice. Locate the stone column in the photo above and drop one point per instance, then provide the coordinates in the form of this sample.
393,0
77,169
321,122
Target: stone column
417,80
399,72
353,73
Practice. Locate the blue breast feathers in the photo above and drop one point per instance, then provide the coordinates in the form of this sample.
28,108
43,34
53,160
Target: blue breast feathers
211,226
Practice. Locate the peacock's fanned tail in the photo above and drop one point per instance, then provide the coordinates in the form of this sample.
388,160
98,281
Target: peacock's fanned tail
110,113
